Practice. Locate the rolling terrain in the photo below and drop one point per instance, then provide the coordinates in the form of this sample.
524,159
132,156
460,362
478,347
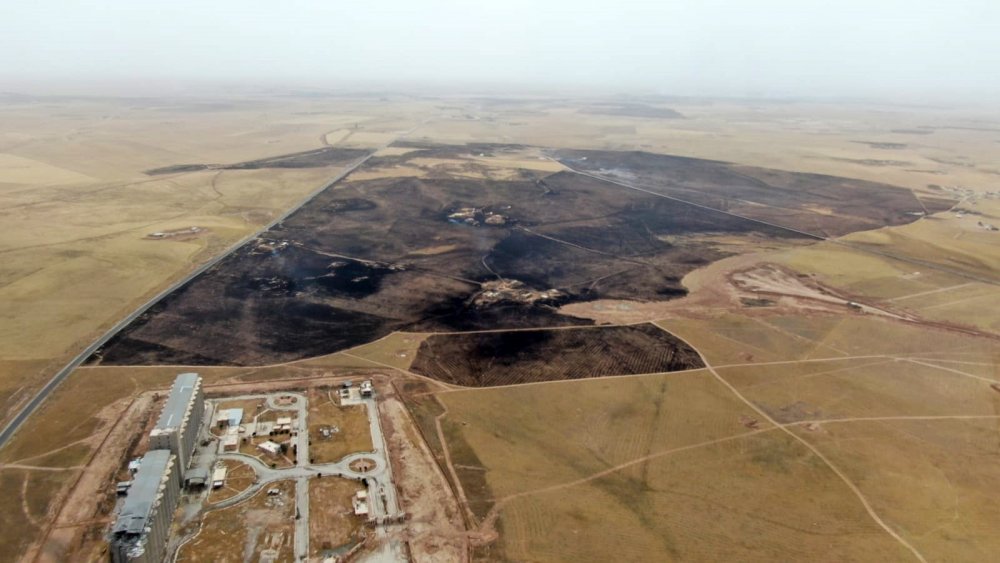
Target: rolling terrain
626,329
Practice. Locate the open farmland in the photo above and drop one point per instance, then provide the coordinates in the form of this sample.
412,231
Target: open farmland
505,358
467,225
78,208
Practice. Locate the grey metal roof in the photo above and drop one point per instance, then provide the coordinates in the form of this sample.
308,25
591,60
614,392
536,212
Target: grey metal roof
177,404
139,502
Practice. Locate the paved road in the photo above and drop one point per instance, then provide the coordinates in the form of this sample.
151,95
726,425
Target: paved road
16,422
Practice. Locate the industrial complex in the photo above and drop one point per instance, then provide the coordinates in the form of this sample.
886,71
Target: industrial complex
224,453
180,420
143,525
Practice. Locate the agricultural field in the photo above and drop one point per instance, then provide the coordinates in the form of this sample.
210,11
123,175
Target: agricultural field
460,248
487,359
78,206
615,254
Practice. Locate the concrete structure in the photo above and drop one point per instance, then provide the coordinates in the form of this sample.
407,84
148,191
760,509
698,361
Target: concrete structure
196,477
360,502
269,447
219,476
283,425
143,526
229,443
177,428
229,418
367,390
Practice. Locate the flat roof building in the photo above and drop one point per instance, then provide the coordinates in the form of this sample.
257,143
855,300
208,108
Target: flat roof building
229,417
196,477
177,428
229,443
269,447
219,476
143,525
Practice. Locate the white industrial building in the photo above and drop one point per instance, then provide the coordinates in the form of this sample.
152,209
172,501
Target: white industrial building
143,525
177,428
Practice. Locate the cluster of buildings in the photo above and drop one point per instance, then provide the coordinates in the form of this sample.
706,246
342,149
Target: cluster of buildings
140,533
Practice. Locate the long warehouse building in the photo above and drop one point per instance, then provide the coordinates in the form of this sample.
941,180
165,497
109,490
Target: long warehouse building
177,428
143,525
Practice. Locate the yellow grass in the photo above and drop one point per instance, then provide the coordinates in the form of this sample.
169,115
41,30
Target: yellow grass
758,498
25,171
934,480
874,387
239,477
397,349
261,523
332,522
534,436
352,421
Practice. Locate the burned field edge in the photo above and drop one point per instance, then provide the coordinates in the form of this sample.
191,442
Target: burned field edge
449,254
318,158
527,356
826,206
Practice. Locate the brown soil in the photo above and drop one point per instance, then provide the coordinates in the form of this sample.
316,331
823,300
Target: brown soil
75,529
436,532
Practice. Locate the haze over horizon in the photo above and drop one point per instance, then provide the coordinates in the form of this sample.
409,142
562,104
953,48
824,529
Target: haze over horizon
912,51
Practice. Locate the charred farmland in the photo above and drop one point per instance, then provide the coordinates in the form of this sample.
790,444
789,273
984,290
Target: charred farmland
450,253
512,357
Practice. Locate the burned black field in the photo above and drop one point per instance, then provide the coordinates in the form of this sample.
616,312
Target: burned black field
454,253
487,359
813,203
326,156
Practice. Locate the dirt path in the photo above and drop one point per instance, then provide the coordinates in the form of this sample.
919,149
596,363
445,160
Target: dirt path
39,467
952,370
463,500
436,530
931,292
843,477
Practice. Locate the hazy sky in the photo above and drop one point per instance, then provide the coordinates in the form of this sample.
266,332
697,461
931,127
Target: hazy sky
908,49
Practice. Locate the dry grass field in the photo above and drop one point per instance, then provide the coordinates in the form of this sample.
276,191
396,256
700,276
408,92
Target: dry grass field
332,523
351,421
261,527
239,476
77,207
871,416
